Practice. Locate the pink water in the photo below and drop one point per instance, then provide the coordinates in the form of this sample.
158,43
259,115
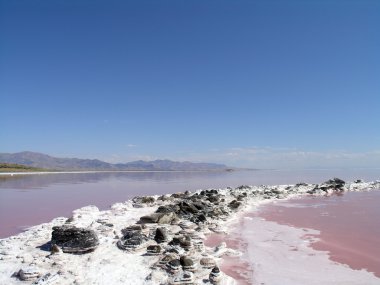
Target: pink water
236,267
349,225
27,200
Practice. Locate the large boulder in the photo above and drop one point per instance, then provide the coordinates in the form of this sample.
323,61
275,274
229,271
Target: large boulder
74,240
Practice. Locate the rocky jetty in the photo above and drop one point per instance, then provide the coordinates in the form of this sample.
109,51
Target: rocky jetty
149,240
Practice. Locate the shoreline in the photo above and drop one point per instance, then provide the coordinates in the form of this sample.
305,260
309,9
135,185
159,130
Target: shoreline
347,225
108,264
116,171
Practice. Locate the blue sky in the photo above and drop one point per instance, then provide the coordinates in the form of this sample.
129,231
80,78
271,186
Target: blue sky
246,83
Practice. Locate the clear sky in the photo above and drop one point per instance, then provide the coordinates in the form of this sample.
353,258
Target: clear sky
248,83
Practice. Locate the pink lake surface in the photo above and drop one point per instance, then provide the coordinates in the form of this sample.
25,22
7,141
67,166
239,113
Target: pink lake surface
27,200
349,225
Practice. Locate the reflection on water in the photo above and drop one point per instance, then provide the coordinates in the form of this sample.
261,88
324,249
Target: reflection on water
27,200
28,181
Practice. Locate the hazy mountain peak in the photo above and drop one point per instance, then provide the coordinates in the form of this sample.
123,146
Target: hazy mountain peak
42,160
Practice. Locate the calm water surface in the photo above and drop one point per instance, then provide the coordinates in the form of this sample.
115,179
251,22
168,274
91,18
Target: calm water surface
27,200
349,225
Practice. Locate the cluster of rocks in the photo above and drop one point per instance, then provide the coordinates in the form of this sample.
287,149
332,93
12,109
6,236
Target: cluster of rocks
174,234
172,238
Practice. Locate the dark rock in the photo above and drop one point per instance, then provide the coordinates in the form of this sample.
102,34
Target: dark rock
144,199
178,195
215,275
301,184
276,191
213,199
167,209
166,258
335,183
175,241
160,218
187,208
132,240
197,219
174,265
154,249
183,241
69,220
151,219
215,270
186,243
161,235
242,187
234,204
198,245
28,273
55,249
240,198
74,240
199,206
187,263
133,228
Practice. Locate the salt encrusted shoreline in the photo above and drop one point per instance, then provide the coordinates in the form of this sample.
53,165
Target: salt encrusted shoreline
184,220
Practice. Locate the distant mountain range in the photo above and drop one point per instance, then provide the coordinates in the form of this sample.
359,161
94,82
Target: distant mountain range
41,160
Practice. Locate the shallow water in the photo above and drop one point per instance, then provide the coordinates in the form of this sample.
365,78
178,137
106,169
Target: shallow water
236,267
27,200
349,225
346,226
